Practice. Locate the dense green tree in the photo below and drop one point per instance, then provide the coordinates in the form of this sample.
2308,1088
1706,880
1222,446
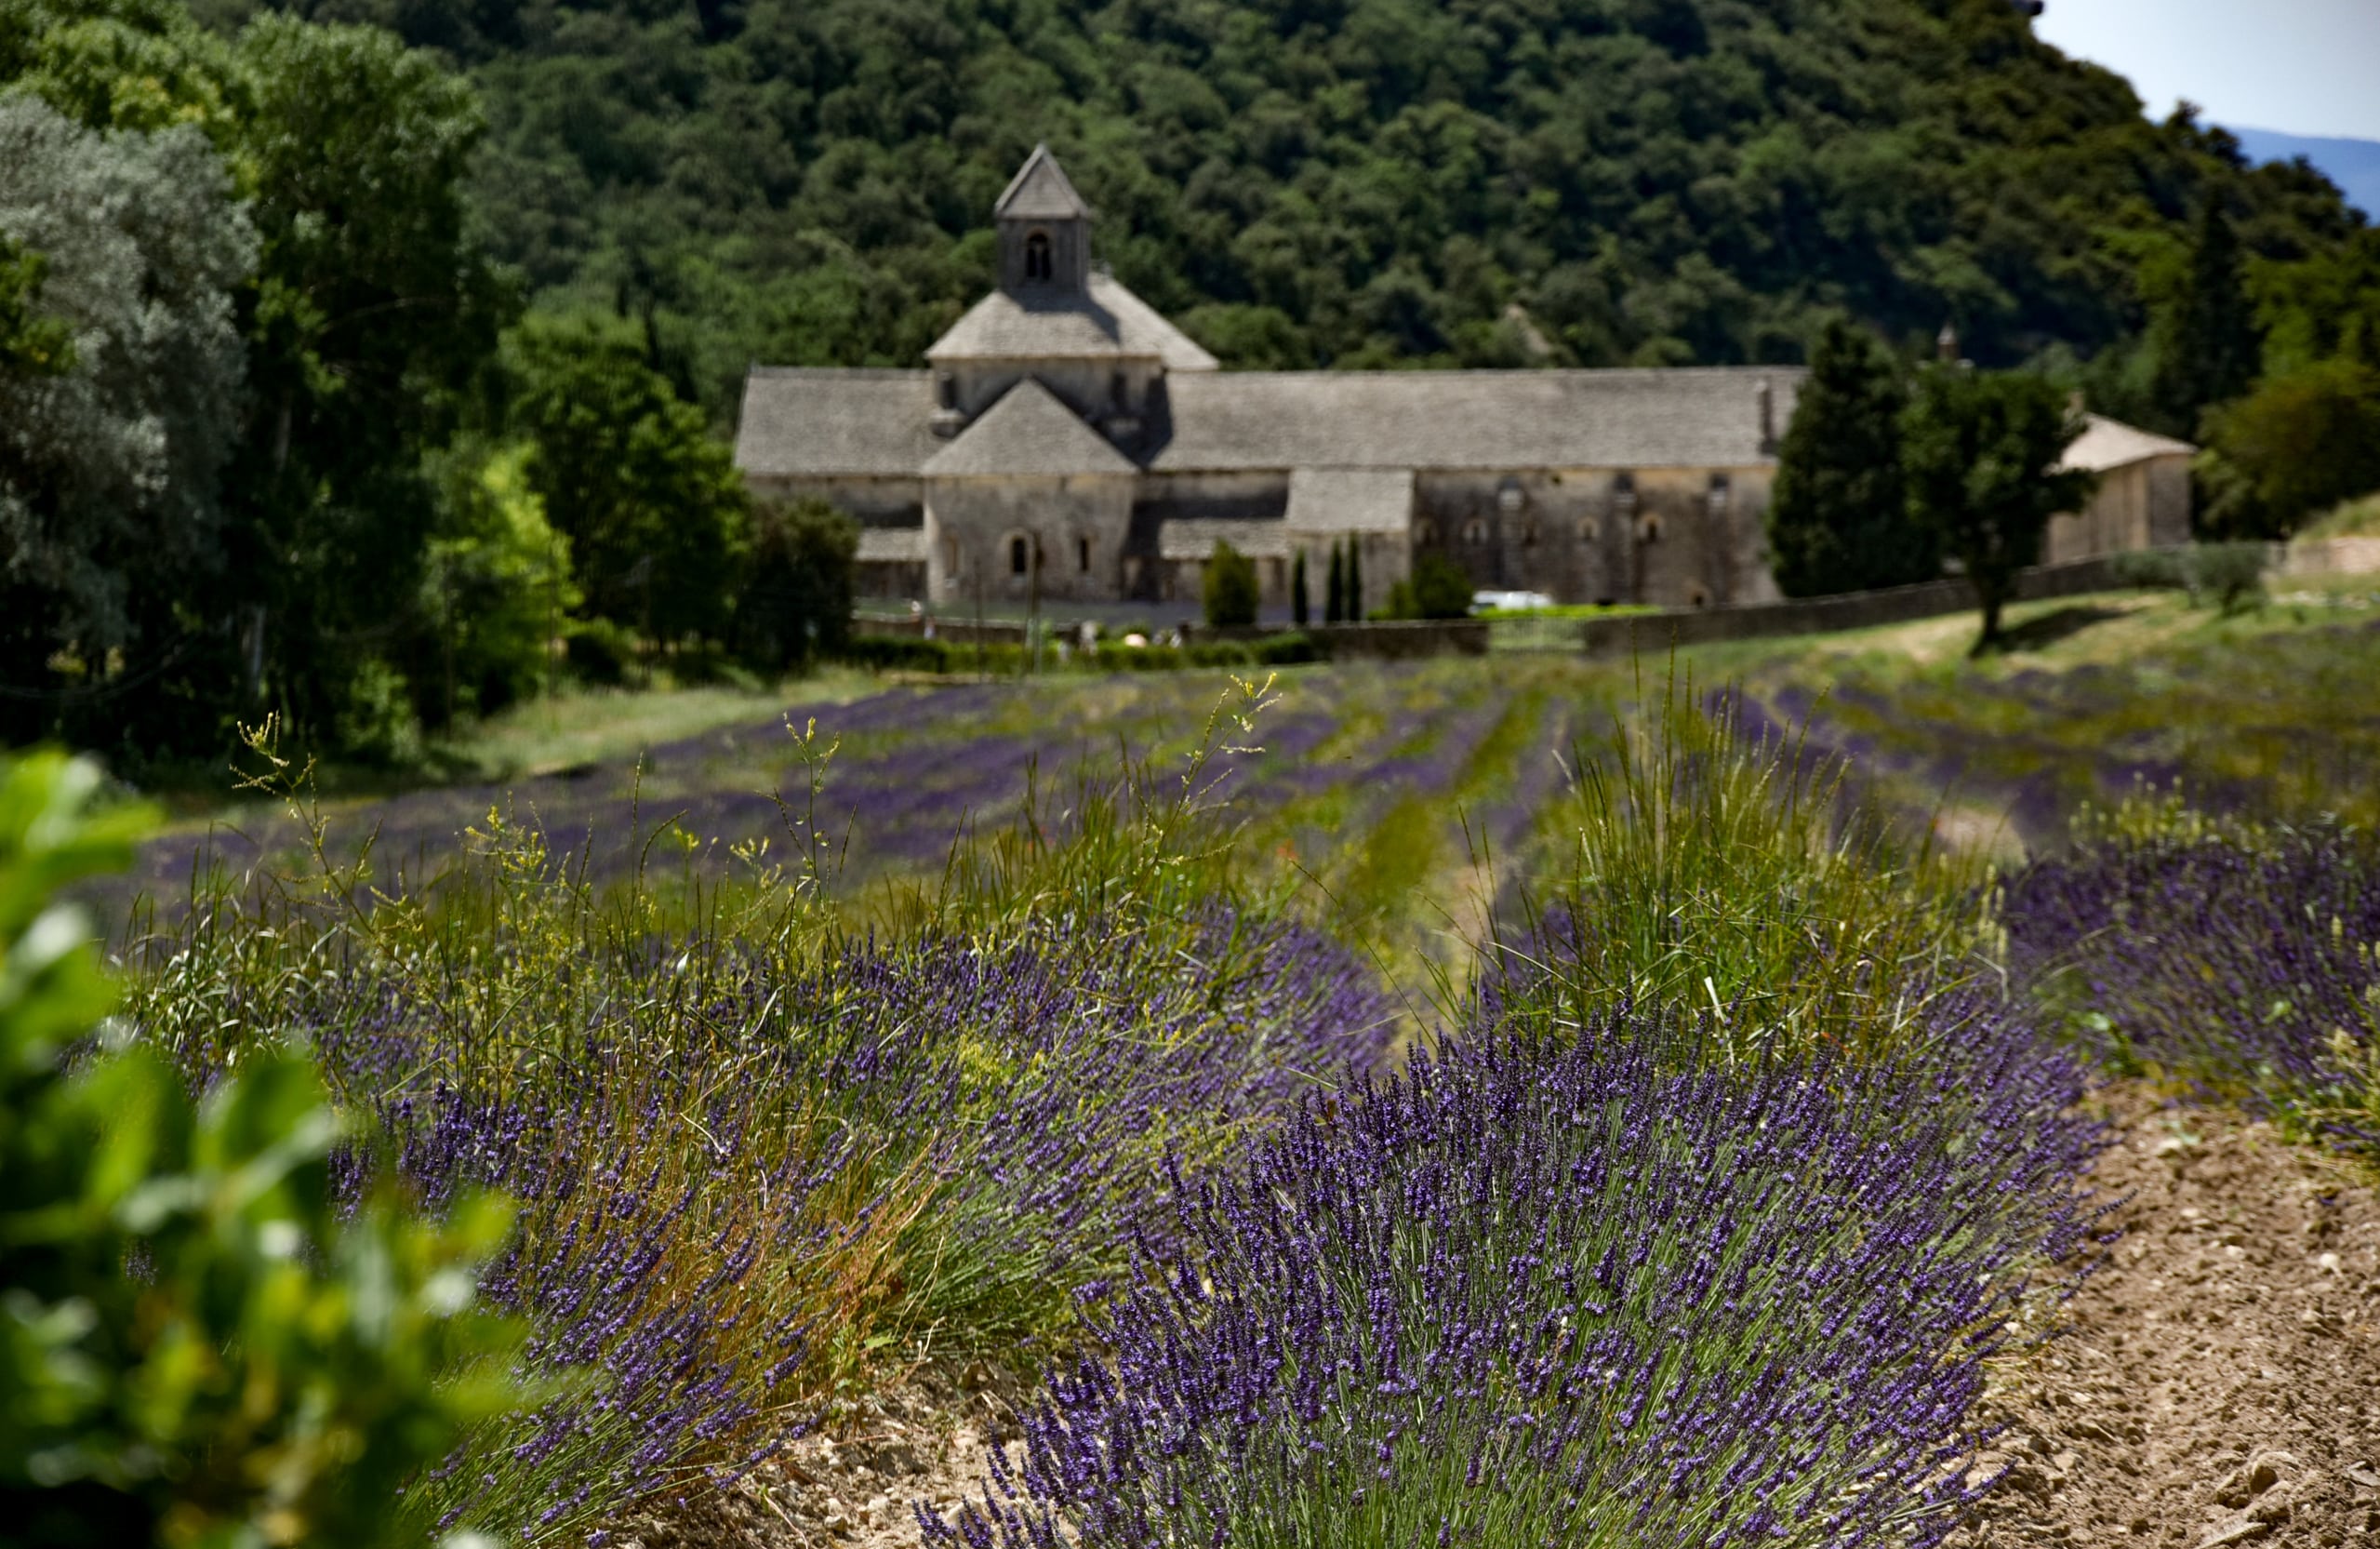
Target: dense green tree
1354,579
1300,610
119,404
367,315
2205,339
1839,518
1334,596
796,600
373,314
1231,588
654,509
2301,443
496,587
31,344
1980,450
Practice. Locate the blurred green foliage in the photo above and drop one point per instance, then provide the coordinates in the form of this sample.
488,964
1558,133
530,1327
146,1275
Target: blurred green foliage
198,1348
1838,519
1230,594
1439,589
1979,450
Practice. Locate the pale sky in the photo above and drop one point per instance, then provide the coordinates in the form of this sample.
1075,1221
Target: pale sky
2304,67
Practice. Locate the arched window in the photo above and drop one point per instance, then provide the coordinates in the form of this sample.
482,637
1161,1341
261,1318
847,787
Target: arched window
1082,556
1020,555
1718,494
1624,495
1424,531
1589,530
1699,597
1651,530
1475,532
1037,262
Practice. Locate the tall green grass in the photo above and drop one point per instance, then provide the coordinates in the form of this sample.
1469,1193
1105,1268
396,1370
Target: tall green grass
1738,871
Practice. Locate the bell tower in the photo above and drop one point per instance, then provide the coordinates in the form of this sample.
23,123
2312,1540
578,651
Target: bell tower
1044,234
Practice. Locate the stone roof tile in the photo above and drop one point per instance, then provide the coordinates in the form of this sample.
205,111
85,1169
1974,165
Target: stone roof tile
1028,432
1041,190
824,422
1195,537
1684,418
1351,500
2110,444
1112,324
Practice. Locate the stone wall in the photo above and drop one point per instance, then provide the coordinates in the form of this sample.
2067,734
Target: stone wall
973,528
872,502
2141,506
2327,556
1680,538
1654,633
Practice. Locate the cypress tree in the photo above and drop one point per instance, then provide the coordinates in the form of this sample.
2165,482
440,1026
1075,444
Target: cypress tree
1298,612
1354,580
2208,349
1838,519
1334,596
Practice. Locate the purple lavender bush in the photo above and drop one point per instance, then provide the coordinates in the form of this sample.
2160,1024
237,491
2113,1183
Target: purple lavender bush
2234,955
741,1177
1588,1292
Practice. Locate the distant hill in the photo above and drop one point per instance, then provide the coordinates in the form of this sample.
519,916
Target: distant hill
2354,165
1340,183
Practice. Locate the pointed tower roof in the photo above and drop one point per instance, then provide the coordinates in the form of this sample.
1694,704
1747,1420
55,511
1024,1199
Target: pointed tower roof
1027,432
1040,192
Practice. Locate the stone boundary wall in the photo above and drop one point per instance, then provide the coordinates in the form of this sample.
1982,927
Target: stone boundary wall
2327,556
955,632
1648,633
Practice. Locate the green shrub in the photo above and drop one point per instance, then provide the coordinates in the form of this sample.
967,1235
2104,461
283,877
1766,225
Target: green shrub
195,1348
2232,573
601,651
1736,872
1285,650
1439,589
898,653
1231,592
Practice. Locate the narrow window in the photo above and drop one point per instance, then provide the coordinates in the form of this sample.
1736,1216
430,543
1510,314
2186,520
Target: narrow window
1082,556
1037,266
1475,532
1589,530
1016,556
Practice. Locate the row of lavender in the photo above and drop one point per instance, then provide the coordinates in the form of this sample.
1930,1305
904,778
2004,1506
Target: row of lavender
1585,1292
1689,1227
743,1178
2240,956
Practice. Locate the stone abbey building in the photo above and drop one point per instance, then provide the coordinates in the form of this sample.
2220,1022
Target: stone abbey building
1063,426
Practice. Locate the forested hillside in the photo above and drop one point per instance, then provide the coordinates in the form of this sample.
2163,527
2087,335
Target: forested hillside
1344,182
368,361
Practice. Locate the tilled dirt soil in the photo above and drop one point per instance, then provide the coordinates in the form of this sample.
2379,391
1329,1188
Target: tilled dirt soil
2218,1383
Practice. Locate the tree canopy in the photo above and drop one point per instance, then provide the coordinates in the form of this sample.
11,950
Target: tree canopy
1838,518
1980,451
1593,182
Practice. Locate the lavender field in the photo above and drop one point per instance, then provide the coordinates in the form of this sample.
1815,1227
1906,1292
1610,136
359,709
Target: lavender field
1490,1102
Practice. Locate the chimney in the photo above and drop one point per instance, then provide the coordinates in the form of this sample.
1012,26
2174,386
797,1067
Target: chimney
1768,417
